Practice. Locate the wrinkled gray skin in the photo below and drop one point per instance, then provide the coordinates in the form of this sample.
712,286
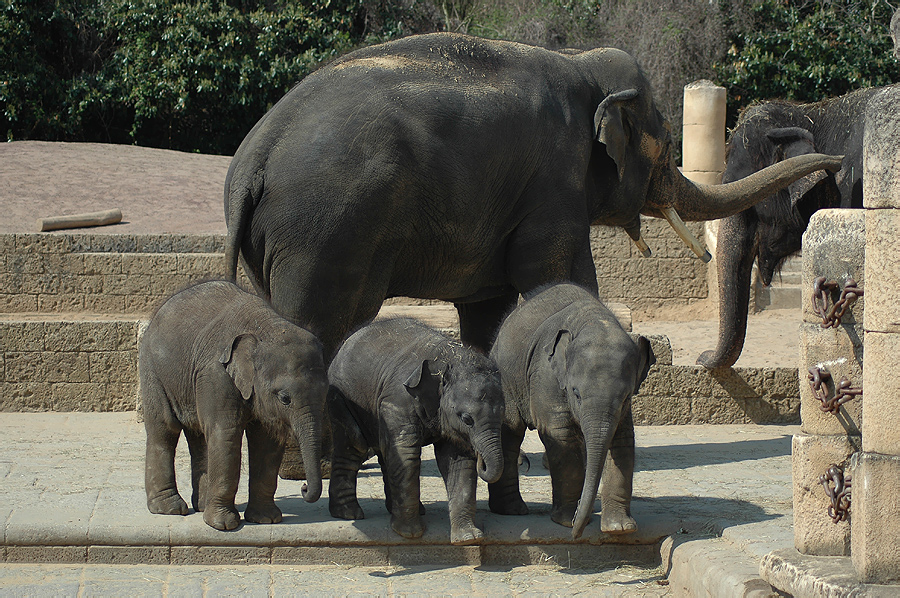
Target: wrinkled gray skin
451,167
398,385
772,230
216,362
569,370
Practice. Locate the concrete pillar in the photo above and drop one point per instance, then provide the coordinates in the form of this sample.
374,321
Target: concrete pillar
875,510
703,155
834,248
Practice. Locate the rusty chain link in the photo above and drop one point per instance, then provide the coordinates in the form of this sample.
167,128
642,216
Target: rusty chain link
822,290
843,390
839,494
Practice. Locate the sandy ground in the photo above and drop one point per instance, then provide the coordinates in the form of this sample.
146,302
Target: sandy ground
163,191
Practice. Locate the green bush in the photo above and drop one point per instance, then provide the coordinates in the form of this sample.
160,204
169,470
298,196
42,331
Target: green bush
192,76
808,51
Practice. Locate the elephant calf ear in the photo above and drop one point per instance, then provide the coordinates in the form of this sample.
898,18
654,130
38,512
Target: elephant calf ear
238,361
424,384
557,356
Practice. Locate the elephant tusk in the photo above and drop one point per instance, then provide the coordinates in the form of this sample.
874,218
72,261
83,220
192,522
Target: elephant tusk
642,246
689,239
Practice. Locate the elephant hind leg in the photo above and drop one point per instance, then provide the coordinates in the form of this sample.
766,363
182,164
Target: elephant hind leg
346,461
163,431
480,321
199,478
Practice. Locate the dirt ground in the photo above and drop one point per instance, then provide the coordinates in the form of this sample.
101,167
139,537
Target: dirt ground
163,191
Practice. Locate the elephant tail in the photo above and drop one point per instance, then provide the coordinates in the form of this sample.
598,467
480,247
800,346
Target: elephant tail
242,193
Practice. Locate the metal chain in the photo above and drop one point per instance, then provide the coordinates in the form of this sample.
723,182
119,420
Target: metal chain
839,494
822,290
844,392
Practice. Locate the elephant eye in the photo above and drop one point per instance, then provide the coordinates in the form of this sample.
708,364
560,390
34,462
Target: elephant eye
284,397
576,393
467,419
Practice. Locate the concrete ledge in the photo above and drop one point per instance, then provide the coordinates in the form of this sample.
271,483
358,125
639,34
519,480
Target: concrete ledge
804,576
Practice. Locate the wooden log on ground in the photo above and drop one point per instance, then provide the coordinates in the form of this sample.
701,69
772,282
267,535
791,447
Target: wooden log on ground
80,220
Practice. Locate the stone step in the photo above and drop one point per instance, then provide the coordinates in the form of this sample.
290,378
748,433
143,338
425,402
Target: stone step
66,362
779,297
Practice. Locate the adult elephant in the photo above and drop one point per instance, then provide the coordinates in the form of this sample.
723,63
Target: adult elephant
772,230
451,167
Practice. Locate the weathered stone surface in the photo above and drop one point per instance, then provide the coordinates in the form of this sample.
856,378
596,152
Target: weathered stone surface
814,531
805,576
834,246
838,351
882,290
881,393
876,518
881,151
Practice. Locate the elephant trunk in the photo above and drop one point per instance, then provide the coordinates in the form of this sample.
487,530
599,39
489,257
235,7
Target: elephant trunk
308,435
696,201
736,247
490,456
597,437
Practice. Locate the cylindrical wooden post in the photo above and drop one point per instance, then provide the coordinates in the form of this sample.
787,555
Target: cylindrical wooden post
875,511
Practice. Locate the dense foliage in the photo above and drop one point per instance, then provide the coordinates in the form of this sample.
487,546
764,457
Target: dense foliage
807,51
196,75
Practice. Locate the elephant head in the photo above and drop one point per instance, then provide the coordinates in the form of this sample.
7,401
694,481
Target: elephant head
284,380
770,231
467,398
633,158
599,375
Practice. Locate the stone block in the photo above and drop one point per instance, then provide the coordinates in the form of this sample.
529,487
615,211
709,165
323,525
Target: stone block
83,335
60,303
148,263
22,335
882,270
881,151
25,366
839,351
128,555
25,263
65,366
654,410
102,264
17,303
834,246
56,555
42,243
78,396
814,531
220,555
143,304
204,265
112,366
876,518
169,284
881,392
104,304
25,396
7,243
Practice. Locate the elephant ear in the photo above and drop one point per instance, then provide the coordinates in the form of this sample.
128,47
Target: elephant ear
425,385
648,358
557,356
612,127
238,361
792,142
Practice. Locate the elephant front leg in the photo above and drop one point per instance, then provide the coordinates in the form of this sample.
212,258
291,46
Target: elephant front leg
460,478
264,453
199,471
224,459
401,468
566,463
504,495
346,461
618,476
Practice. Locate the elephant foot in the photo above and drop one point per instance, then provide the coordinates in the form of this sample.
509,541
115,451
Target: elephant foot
462,535
222,518
269,513
167,504
617,522
350,510
563,515
408,528
511,506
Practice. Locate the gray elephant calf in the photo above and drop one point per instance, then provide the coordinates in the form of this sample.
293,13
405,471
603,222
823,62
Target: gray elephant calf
215,362
399,385
569,370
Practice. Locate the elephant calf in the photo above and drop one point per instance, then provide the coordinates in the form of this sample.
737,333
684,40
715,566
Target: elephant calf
396,386
569,370
216,362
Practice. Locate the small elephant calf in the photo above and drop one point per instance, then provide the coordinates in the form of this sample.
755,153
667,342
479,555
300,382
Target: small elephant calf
569,370
216,362
396,386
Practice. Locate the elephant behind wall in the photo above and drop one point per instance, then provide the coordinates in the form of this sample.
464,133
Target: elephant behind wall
772,230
